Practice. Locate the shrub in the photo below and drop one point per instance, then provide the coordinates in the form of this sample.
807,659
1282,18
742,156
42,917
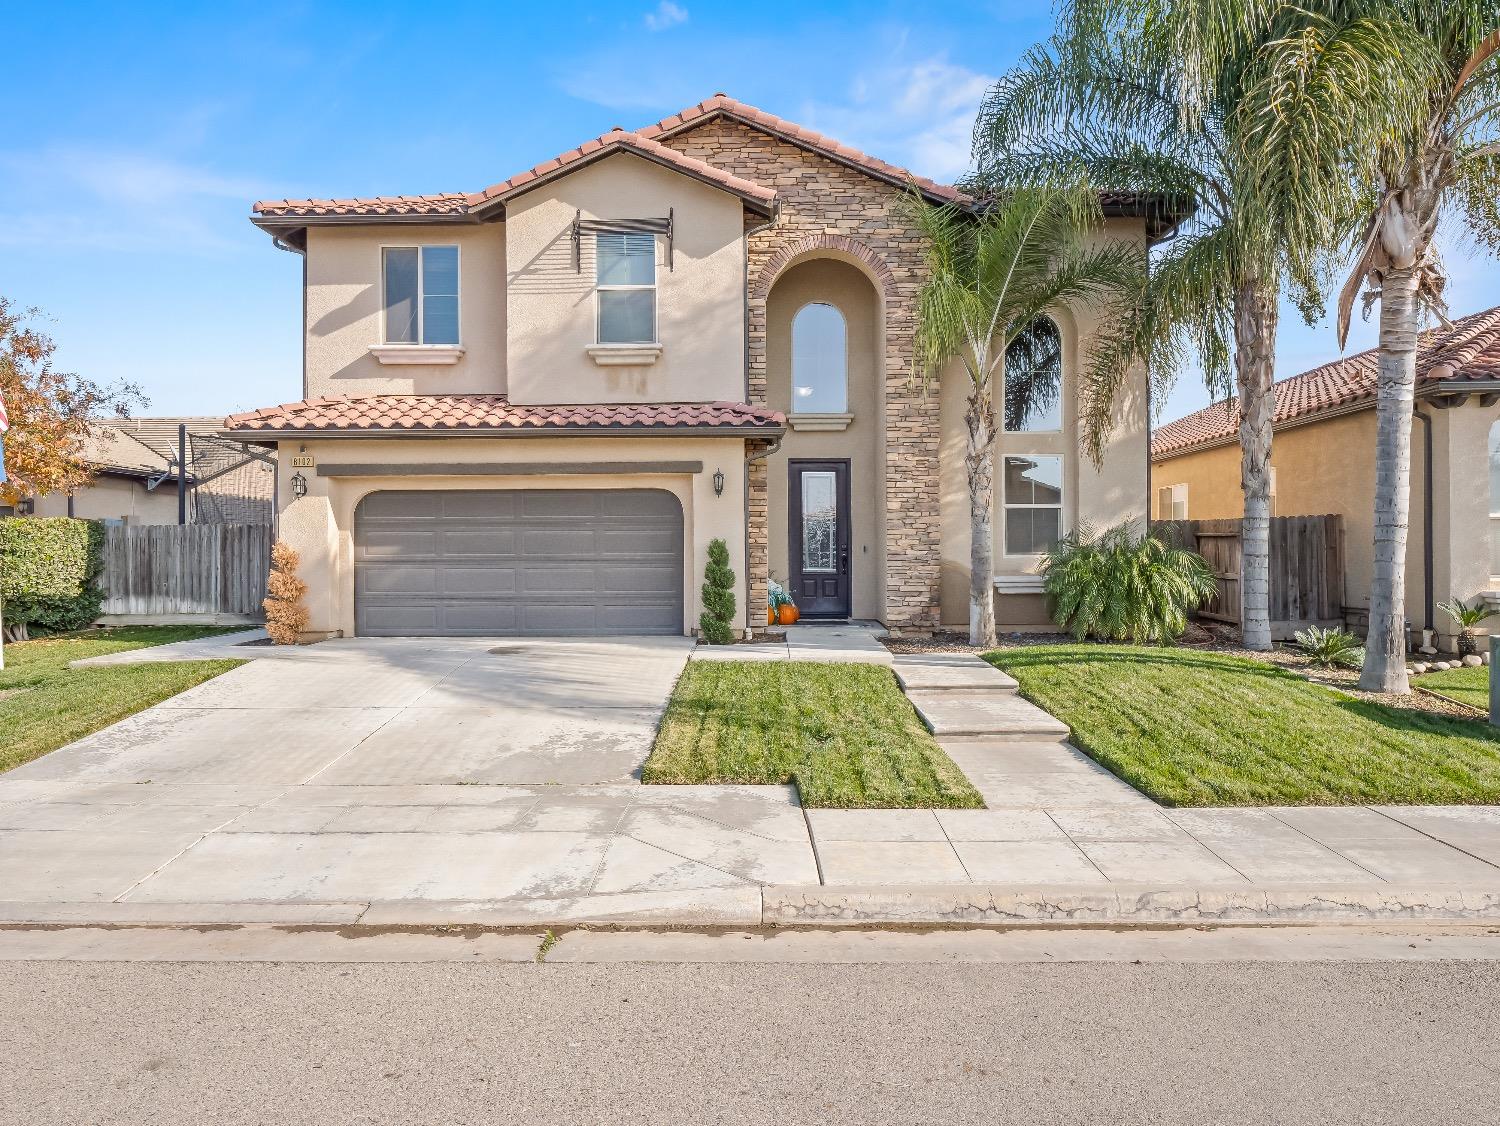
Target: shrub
716,623
286,617
1331,647
49,573
1120,587
1466,618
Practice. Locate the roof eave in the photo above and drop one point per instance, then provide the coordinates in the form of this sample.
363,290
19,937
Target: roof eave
770,430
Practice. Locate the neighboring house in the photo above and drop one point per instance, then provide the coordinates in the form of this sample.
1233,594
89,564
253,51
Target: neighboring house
1324,458
132,483
135,476
529,409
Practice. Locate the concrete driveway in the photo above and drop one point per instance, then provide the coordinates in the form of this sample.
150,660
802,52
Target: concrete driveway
398,711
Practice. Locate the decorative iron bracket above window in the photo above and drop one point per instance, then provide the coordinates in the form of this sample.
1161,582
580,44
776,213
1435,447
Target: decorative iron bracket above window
646,226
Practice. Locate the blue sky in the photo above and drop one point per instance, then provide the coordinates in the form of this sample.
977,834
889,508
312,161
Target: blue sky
138,136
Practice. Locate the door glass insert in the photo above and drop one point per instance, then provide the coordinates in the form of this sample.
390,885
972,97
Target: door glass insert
819,522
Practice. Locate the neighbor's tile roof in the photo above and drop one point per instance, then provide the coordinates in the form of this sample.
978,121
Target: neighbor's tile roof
407,413
646,142
1469,349
796,134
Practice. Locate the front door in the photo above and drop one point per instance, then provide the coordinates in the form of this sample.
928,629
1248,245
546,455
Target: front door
818,542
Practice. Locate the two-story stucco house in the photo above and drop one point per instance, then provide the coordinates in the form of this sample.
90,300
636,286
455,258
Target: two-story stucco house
529,409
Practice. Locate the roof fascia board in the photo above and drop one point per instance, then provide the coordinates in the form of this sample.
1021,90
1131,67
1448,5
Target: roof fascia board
529,432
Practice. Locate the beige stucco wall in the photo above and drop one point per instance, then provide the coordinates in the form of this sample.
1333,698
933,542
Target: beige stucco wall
116,498
1100,496
320,525
848,289
345,311
700,300
1329,467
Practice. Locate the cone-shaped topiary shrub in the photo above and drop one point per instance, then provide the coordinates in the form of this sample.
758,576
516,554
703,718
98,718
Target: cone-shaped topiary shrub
286,617
716,623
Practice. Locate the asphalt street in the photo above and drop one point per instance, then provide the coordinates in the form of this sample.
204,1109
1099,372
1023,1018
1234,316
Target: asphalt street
1132,1040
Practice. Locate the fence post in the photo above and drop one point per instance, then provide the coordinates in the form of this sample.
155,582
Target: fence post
1494,684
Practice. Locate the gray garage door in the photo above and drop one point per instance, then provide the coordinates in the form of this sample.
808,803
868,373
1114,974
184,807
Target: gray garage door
534,561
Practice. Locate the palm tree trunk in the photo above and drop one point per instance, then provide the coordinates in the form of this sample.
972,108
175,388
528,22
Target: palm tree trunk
1385,646
1255,369
979,460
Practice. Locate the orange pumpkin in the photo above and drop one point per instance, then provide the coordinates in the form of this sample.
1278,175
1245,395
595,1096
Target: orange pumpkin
789,614
770,615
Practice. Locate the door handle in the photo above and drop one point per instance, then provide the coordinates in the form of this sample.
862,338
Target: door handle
844,560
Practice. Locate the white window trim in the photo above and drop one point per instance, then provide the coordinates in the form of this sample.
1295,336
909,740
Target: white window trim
607,348
820,420
1172,491
1061,505
418,348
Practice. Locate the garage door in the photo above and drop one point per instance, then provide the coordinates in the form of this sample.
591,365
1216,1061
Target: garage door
534,561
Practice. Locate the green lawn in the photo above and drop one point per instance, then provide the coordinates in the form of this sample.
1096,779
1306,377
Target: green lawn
843,733
45,705
1193,728
1467,686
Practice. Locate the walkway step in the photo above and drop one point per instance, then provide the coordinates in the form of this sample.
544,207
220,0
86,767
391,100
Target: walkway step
951,672
997,715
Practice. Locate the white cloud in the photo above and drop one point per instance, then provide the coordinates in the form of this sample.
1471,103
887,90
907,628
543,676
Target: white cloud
919,114
115,199
665,15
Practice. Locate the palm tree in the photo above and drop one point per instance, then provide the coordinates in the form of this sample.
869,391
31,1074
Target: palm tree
1376,117
992,273
1104,97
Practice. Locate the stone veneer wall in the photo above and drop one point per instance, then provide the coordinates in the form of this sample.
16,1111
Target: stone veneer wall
828,208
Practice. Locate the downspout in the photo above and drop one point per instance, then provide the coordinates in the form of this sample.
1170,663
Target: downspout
1427,519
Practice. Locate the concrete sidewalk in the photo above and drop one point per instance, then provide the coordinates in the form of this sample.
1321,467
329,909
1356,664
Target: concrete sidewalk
425,781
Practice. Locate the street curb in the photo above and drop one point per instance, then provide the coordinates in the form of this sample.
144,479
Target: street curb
1121,904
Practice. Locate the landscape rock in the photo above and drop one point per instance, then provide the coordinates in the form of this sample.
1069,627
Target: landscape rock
1429,650
1472,661
1419,668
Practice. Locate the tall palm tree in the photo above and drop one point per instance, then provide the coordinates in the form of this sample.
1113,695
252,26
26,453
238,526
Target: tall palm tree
991,274
1104,97
1375,117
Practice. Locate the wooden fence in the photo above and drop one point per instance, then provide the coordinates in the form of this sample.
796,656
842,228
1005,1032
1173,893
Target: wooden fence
1307,569
167,570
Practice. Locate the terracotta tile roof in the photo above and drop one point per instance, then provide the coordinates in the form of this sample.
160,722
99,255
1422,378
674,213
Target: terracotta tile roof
645,142
615,140
495,414
806,138
1468,350
452,203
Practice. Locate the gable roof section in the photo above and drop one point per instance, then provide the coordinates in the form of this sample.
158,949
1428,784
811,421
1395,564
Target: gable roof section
721,105
111,450
282,215
1468,351
495,415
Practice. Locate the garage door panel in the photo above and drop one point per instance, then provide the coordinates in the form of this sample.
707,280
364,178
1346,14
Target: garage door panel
453,542
567,561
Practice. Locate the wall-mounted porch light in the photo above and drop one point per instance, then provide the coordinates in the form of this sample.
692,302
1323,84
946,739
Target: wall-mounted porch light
299,486
718,482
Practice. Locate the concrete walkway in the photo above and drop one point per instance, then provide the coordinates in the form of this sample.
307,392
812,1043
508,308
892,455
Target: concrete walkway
494,781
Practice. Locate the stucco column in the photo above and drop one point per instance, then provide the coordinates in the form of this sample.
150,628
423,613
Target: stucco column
308,527
1461,511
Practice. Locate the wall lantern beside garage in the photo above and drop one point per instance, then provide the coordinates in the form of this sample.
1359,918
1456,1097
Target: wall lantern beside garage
299,486
718,482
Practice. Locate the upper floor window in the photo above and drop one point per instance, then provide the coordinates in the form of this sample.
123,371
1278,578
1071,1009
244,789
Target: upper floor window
1172,502
820,361
421,294
1033,379
625,275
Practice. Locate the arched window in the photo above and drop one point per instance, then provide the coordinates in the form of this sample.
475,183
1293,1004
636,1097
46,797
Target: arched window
820,361
1033,379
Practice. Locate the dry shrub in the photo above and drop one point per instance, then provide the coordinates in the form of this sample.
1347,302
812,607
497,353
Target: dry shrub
286,617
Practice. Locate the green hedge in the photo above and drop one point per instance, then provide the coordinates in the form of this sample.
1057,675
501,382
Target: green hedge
49,572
